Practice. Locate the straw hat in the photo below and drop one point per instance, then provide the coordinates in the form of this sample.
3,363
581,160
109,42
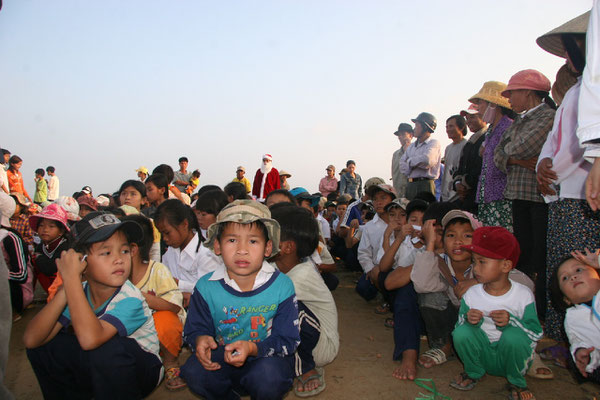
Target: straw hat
564,80
284,173
552,42
491,92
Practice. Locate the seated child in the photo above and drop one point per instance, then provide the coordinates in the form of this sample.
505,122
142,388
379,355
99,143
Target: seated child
52,228
163,297
242,323
96,339
498,327
319,337
194,182
337,242
20,220
208,205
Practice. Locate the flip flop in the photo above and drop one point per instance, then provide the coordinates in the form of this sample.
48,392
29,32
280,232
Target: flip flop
520,392
173,381
463,376
537,364
382,309
320,376
436,355
389,323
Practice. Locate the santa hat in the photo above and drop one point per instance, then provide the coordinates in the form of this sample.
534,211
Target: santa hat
267,157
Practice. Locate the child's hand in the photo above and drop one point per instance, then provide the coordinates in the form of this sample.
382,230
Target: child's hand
204,345
186,299
582,359
236,353
407,229
474,316
500,317
589,258
71,265
429,232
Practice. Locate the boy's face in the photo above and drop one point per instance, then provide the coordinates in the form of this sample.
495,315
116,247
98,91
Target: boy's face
340,210
306,204
487,270
48,230
458,234
416,218
243,248
205,219
578,282
397,216
153,194
84,210
38,176
239,173
380,200
109,262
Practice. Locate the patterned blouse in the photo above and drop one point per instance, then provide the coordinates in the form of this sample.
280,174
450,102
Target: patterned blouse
495,180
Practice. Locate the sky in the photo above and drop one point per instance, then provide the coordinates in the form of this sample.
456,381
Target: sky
97,89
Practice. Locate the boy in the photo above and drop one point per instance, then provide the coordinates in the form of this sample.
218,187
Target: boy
498,327
96,339
243,318
41,187
240,178
318,314
53,184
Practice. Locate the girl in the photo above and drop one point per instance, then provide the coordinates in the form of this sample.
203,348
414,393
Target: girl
351,182
208,205
133,193
157,191
20,220
52,228
163,297
15,178
186,258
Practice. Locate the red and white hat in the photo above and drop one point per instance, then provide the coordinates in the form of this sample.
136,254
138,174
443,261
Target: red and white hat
267,157
53,212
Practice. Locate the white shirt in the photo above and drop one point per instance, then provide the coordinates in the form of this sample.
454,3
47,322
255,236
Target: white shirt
370,242
264,274
325,228
405,256
422,160
53,188
582,325
4,179
189,265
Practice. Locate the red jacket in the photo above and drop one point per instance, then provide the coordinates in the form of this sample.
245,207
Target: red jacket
271,183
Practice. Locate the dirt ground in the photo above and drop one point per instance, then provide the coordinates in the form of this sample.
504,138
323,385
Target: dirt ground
362,370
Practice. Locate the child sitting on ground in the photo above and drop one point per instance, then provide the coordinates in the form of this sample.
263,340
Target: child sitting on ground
163,297
498,326
243,319
96,339
20,220
208,206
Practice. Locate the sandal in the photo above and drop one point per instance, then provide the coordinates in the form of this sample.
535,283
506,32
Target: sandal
320,376
389,323
520,393
463,377
382,309
536,365
436,355
172,379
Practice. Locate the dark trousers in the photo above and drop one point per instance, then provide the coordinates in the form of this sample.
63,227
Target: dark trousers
331,281
119,369
261,378
439,324
365,288
530,224
310,332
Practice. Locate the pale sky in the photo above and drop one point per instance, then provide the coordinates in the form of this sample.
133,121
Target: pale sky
98,89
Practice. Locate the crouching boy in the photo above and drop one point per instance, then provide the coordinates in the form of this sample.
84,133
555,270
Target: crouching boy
96,339
243,318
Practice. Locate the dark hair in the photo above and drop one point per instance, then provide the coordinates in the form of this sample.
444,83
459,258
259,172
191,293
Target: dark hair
166,170
212,202
40,171
196,173
545,96
454,221
557,297
574,50
14,160
50,169
221,228
207,188
341,200
332,196
437,211
144,242
183,159
284,192
298,225
508,112
416,205
350,162
5,151
426,196
461,123
137,185
174,212
236,190
160,181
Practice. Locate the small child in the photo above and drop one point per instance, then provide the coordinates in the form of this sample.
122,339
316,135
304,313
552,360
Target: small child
498,326
208,206
96,339
243,317
194,182
41,187
133,193
52,228
319,337
87,204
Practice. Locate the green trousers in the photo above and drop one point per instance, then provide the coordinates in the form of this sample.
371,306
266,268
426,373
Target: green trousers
414,188
510,356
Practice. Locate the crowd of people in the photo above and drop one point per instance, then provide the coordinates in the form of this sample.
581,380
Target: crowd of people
502,251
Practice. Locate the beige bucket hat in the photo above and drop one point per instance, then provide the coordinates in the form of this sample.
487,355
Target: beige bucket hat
491,92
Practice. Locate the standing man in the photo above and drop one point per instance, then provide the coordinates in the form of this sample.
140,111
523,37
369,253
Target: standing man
266,179
53,184
182,177
421,161
239,177
405,135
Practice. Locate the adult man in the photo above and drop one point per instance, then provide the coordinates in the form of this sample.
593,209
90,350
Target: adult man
266,179
53,184
142,173
405,135
421,161
182,177
239,177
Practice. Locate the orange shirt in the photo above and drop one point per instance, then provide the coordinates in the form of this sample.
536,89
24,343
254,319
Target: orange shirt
15,182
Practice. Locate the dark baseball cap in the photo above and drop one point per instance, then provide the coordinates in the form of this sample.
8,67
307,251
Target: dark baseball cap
100,225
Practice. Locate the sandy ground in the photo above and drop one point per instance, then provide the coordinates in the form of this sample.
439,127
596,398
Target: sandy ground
362,370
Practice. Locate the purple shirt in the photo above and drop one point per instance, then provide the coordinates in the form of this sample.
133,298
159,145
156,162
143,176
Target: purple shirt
495,180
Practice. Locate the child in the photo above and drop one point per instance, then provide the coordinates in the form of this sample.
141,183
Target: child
243,318
157,191
498,327
194,182
87,204
20,220
186,258
163,297
96,339
133,193
208,205
41,187
319,337
52,228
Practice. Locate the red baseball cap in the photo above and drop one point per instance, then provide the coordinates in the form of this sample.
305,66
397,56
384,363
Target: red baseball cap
495,242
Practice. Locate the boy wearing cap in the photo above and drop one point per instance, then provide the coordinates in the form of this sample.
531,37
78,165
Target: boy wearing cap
498,326
239,177
96,339
243,318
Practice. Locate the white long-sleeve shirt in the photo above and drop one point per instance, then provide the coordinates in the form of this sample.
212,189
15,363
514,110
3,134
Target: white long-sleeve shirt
370,242
582,325
422,160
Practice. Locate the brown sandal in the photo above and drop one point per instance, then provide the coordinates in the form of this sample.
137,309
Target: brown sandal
172,379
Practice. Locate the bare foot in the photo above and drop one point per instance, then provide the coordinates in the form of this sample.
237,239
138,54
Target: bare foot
408,368
307,386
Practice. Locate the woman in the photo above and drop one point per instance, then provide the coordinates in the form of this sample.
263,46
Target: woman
351,182
15,178
517,155
329,183
493,208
